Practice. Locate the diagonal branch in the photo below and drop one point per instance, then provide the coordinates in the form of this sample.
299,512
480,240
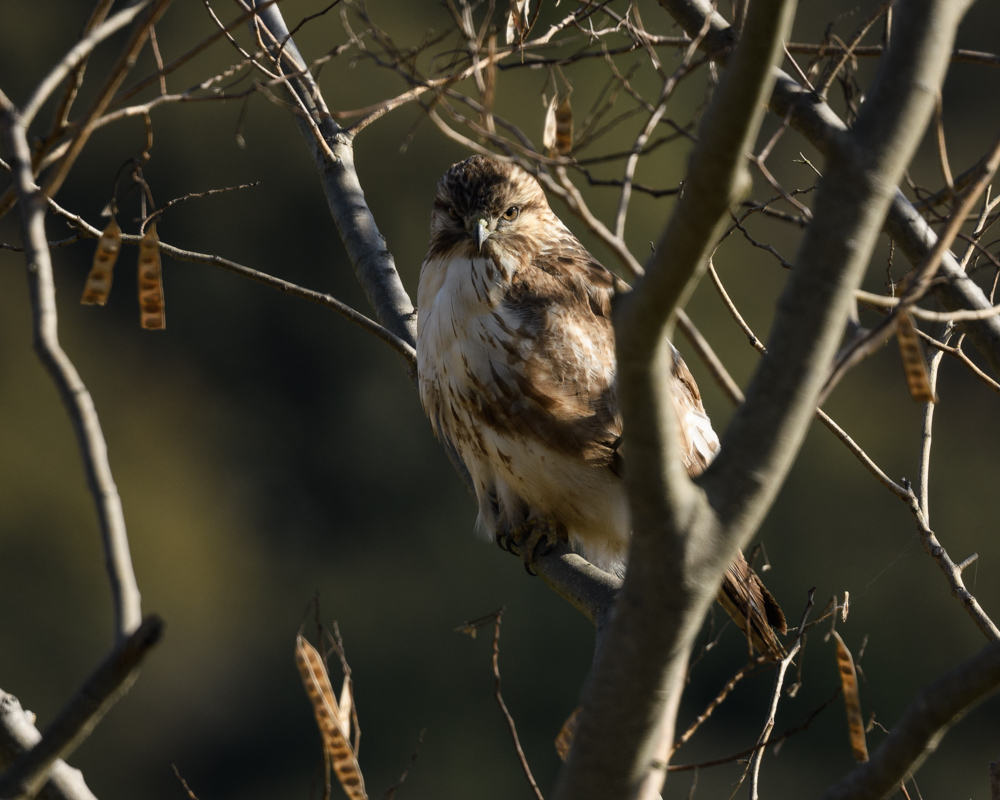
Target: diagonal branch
815,120
853,198
76,56
117,74
334,159
922,726
329,301
100,691
18,734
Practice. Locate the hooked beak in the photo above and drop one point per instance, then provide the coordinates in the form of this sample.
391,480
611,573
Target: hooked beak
480,232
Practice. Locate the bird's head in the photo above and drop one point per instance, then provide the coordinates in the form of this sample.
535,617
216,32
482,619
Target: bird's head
486,207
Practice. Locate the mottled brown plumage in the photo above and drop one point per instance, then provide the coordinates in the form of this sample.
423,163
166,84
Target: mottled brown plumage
516,365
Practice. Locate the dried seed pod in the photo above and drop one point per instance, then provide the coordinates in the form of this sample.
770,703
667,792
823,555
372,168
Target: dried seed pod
151,311
333,720
852,700
549,128
98,285
565,738
564,127
489,85
517,20
914,362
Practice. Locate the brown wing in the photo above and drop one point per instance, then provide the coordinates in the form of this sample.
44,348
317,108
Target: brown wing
698,442
558,310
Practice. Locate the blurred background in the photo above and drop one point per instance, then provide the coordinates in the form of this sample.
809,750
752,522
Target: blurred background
268,453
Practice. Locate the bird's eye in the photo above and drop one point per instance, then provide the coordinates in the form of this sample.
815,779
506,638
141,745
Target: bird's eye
511,213
452,212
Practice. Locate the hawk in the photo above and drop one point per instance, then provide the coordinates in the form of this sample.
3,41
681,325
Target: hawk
516,369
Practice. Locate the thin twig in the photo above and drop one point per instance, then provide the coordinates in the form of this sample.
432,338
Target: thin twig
876,51
884,301
193,196
774,741
390,793
76,56
765,735
709,358
472,628
861,455
104,96
868,344
920,508
405,349
726,382
754,766
506,713
963,358
716,701
184,783
847,52
926,434
756,343
952,572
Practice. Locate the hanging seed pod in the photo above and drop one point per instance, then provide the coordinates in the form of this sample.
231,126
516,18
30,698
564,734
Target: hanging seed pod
564,127
914,363
489,85
549,127
566,734
852,700
517,20
151,310
98,285
333,720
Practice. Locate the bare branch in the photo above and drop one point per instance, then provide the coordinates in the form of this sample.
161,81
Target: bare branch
629,706
373,263
77,400
922,726
503,707
927,433
405,349
75,56
779,681
75,722
821,126
884,301
104,96
18,734
876,50
709,358
854,194
965,201
952,572
588,589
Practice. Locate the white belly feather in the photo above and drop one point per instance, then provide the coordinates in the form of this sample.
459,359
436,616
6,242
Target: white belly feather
516,477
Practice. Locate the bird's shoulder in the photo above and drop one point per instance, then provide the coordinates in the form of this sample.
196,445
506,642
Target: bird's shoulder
561,281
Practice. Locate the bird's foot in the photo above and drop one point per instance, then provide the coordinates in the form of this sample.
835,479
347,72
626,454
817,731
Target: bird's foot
532,538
